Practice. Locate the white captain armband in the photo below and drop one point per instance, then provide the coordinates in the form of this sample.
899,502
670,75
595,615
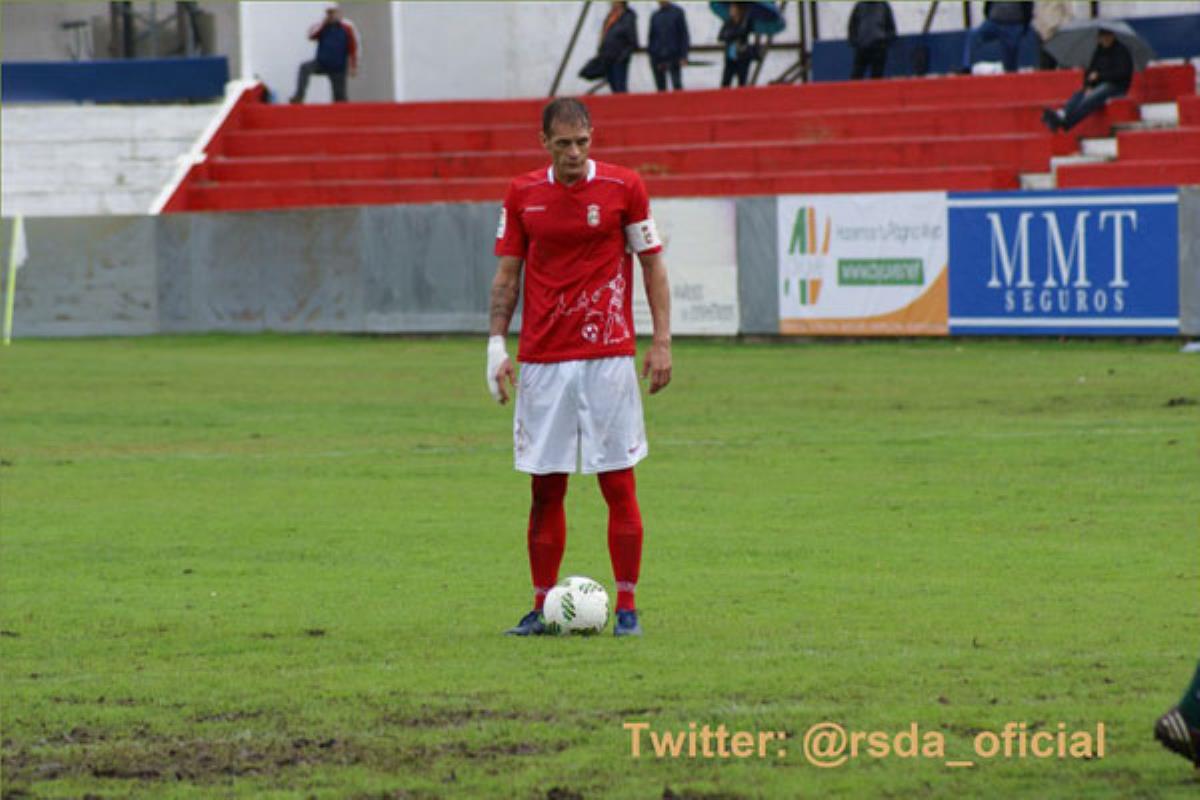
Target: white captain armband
642,236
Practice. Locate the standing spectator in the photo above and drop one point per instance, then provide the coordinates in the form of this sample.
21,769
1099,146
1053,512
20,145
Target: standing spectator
735,34
337,50
668,45
1108,75
1003,22
1048,17
872,30
618,40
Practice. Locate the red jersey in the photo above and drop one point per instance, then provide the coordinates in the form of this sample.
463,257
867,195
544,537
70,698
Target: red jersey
576,242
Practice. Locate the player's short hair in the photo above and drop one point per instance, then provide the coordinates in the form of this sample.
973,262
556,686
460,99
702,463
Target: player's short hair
566,110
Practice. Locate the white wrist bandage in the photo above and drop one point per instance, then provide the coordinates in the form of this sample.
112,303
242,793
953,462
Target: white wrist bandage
496,356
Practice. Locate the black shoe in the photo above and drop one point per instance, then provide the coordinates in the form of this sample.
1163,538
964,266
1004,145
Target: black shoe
531,624
1051,119
295,100
627,624
1175,734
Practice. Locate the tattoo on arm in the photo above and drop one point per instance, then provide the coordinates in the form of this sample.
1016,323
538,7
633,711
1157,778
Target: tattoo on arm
505,291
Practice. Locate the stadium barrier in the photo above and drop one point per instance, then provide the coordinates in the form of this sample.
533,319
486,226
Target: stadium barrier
141,80
1104,262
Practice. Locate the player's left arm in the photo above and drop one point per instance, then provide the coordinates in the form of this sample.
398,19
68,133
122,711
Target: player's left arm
658,293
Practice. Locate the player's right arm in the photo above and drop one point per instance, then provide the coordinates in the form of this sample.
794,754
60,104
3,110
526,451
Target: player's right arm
506,288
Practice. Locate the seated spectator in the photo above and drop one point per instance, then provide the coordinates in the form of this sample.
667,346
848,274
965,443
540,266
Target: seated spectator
618,40
1003,22
1108,75
668,45
735,35
872,30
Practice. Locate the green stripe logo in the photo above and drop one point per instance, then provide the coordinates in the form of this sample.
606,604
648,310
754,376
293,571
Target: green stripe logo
881,272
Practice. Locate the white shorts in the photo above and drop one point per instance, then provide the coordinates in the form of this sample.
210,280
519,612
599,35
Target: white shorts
584,415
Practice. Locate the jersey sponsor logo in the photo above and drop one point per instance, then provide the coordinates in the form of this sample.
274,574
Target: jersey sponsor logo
503,222
593,215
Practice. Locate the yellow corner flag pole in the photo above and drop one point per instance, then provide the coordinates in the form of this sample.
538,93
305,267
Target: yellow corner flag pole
17,253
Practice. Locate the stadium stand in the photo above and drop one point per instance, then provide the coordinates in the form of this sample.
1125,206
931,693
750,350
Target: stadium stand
1149,157
957,133
82,160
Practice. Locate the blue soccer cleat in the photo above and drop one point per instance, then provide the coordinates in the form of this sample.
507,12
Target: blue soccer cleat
531,624
627,624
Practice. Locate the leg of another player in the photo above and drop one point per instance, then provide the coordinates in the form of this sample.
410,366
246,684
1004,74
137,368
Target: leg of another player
624,544
1179,729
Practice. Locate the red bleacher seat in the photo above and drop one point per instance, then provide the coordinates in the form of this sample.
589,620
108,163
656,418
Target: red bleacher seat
950,132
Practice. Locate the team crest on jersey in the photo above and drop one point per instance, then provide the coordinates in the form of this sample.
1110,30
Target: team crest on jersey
593,215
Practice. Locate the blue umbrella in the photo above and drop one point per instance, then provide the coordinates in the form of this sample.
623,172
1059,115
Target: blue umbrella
764,17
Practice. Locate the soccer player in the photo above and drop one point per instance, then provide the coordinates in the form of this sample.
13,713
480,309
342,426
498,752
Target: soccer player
572,226
1179,729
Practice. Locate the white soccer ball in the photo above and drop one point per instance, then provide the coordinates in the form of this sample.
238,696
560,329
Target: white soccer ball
576,605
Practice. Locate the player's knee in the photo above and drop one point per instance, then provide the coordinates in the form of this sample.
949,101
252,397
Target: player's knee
549,490
618,488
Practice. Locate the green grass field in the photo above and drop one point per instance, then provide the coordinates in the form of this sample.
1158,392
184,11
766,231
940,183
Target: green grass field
280,566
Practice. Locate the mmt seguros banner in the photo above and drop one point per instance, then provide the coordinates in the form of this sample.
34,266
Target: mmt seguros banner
863,265
1087,262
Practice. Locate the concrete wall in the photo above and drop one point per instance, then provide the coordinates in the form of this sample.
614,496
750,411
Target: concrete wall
389,269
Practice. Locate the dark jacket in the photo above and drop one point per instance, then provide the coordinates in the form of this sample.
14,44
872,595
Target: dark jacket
669,39
736,36
1112,65
1008,12
871,23
337,44
619,41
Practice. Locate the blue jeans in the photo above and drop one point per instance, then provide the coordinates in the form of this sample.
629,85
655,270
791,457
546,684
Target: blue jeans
1009,34
618,77
1087,100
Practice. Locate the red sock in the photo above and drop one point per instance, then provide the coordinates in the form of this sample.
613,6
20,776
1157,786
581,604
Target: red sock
624,533
547,534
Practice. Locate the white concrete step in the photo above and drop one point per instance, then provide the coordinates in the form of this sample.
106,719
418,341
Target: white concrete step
1160,113
1078,158
1103,148
1038,180
90,160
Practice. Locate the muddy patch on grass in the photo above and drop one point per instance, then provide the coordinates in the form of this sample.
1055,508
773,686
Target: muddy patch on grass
425,717
82,753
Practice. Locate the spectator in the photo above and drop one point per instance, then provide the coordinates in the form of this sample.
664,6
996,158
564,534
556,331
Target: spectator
668,45
1108,75
1005,22
337,50
735,34
618,40
872,30
1048,17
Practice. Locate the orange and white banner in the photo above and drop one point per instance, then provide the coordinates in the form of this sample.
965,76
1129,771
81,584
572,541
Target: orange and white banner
863,265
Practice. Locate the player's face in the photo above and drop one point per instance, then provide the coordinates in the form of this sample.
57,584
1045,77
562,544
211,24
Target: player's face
568,145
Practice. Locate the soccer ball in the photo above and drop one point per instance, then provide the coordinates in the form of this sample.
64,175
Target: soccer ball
576,605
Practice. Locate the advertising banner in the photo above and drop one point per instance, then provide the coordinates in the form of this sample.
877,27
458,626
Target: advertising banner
700,249
1085,262
863,265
